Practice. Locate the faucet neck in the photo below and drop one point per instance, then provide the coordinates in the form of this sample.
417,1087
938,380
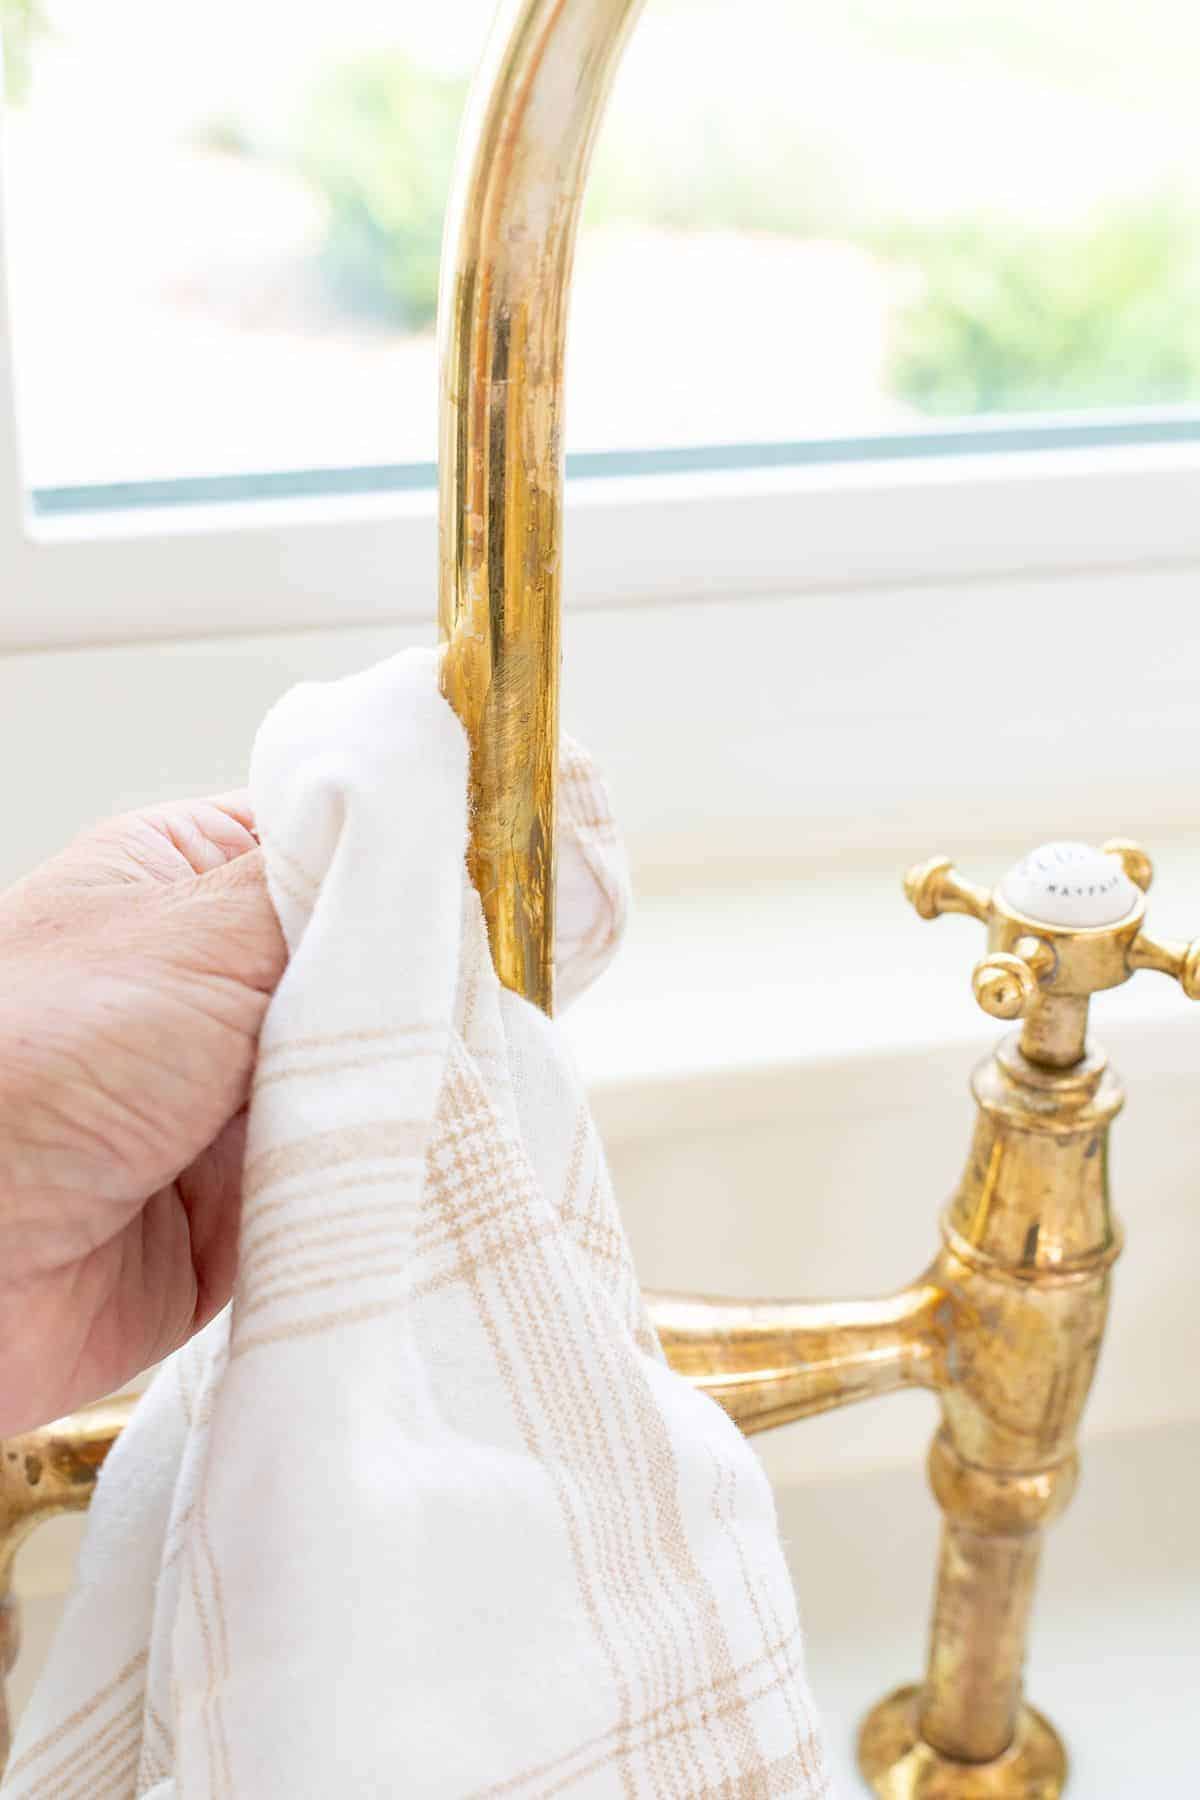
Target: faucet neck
1033,1200
1055,1030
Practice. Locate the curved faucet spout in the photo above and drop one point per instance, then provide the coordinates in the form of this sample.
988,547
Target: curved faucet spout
54,1470
510,239
771,1361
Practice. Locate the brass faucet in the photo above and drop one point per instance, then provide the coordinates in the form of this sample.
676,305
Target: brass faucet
1005,1325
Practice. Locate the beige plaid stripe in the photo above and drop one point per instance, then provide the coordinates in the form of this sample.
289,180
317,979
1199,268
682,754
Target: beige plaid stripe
807,1747
604,1459
583,794
455,1164
218,1648
596,1231
589,833
296,1258
781,1775
345,1225
662,1635
109,1771
342,1066
292,1261
121,1735
337,1147
688,1714
276,1048
462,1267
301,877
97,1703
298,1198
158,1750
205,1625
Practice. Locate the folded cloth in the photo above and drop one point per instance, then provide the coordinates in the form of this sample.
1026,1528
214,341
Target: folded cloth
424,1512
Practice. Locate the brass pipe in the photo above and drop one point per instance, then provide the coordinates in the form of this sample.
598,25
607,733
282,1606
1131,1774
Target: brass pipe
970,1707
54,1470
771,1361
983,1595
43,1473
1055,1031
527,138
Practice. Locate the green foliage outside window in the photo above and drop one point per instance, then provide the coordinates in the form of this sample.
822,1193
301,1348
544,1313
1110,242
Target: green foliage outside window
1015,318
999,315
20,23
377,144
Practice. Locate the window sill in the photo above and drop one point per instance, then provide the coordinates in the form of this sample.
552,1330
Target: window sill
651,540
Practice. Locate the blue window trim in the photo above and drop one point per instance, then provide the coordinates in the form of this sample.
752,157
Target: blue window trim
961,438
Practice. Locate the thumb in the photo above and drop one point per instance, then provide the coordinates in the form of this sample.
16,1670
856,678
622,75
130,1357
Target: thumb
232,925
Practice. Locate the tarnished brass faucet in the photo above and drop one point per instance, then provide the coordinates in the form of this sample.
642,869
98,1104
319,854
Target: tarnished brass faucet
1006,1323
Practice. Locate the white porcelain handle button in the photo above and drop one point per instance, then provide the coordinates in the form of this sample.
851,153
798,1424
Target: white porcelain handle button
1070,884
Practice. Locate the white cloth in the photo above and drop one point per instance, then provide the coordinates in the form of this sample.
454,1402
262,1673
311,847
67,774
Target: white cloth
424,1512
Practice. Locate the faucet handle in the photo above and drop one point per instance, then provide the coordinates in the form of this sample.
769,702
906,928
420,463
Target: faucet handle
1006,981
1177,959
1066,921
936,887
1133,859
1005,984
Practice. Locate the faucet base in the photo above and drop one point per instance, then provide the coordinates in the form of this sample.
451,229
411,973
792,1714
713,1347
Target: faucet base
899,1765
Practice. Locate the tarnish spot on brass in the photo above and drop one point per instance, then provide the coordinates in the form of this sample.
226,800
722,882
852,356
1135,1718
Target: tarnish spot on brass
33,1469
988,1189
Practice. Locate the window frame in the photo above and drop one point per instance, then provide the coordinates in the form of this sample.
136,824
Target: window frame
812,527
260,566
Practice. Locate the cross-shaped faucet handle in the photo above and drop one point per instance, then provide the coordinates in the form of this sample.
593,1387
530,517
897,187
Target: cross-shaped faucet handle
1065,923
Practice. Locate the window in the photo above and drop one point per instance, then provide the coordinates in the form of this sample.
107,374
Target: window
838,263
806,222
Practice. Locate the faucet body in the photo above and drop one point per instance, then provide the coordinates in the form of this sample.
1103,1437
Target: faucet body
1028,1244
1005,1326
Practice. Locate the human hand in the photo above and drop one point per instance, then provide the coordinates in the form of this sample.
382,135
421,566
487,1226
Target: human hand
135,970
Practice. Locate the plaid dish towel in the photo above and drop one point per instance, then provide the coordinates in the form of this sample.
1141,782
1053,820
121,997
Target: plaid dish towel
424,1512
